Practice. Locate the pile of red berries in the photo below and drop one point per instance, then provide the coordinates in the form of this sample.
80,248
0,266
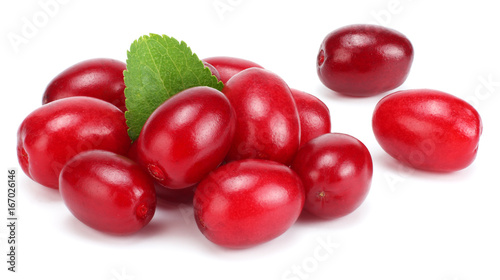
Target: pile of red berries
252,157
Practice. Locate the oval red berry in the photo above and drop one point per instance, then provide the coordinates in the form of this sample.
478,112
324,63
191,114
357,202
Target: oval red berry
108,192
428,129
267,121
364,60
54,133
336,170
186,137
248,202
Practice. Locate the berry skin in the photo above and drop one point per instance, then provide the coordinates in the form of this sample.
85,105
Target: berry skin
364,60
101,78
248,202
108,192
184,195
212,70
187,137
54,133
336,170
227,66
268,125
428,129
314,116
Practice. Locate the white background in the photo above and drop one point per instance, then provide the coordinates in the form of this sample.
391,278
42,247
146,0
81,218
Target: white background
413,224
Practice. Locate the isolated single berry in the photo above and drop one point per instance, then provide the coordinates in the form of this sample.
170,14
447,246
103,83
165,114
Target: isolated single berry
428,129
364,60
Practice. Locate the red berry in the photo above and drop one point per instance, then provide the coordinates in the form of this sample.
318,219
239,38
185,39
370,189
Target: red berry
314,116
54,133
248,202
187,137
364,60
428,129
267,119
336,170
100,78
229,66
108,192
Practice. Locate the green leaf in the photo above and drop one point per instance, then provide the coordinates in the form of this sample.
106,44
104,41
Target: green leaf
158,67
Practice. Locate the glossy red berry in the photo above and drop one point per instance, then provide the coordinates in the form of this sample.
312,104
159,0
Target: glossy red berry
227,66
428,129
248,202
314,116
108,192
364,60
268,124
336,170
54,133
101,78
187,137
